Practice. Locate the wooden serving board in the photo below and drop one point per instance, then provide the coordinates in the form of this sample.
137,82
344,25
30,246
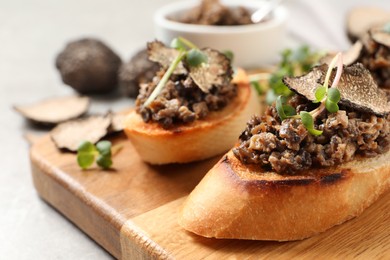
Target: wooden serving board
132,212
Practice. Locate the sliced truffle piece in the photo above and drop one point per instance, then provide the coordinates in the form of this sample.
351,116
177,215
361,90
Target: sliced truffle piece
138,70
70,134
380,36
349,57
361,19
357,88
55,110
158,52
216,72
89,66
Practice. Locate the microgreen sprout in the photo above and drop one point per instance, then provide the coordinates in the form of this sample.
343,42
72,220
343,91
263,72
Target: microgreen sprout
189,52
256,85
229,54
87,152
284,111
165,78
293,63
195,57
327,97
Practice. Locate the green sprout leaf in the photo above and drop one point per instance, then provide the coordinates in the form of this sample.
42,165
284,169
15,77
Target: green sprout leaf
178,44
289,111
293,63
104,148
279,107
334,95
331,106
196,57
104,161
256,85
86,154
229,54
307,119
165,78
308,122
320,93
284,111
187,43
270,96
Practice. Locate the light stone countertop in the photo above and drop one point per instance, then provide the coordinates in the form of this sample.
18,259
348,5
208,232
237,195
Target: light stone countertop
31,35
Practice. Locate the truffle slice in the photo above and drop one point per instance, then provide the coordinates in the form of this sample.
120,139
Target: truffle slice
89,66
361,19
139,69
55,110
158,52
349,57
357,88
70,134
380,36
216,72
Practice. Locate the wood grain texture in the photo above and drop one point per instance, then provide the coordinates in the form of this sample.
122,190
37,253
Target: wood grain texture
132,212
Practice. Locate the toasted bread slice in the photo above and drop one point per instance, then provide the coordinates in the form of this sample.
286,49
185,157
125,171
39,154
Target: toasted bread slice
240,201
201,139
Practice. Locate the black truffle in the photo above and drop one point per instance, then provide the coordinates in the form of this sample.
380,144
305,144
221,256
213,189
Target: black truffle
89,66
139,69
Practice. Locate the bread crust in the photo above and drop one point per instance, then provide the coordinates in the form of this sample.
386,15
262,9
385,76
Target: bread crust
237,201
198,140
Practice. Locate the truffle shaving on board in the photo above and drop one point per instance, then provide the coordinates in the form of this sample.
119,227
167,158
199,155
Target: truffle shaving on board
55,110
357,87
70,134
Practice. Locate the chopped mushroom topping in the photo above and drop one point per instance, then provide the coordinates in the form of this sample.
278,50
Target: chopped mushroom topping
359,127
286,147
191,92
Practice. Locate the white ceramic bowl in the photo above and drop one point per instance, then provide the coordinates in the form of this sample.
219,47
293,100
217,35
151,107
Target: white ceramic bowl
253,45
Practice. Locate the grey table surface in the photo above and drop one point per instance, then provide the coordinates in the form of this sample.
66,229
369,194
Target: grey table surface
31,35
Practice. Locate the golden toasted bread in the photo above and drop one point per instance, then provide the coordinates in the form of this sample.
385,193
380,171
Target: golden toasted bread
198,140
235,200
